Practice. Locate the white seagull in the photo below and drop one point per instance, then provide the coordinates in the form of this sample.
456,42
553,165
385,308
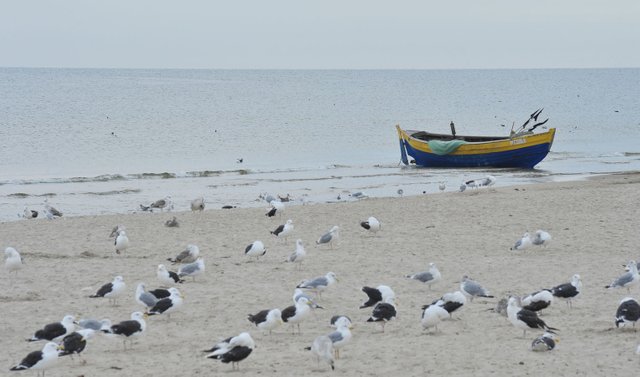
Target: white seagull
330,237
472,289
341,336
188,255
319,284
166,277
284,230
40,360
541,238
428,277
537,301
144,298
322,349
628,279
298,255
111,290
294,315
192,269
13,260
234,350
568,291
381,293
255,249
545,342
628,312
55,331
525,319
523,243
134,327
167,305
267,319
432,315
122,242
197,204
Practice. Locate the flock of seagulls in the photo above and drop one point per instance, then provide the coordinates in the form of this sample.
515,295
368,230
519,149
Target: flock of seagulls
70,337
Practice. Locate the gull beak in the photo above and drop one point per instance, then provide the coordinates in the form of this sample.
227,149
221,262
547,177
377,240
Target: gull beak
60,347
557,340
145,315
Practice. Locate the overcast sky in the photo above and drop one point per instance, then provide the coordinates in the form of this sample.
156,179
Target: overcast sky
327,34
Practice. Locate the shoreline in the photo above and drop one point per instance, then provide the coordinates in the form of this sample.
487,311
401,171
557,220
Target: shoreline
593,223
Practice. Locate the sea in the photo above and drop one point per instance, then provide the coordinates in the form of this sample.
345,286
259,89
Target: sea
105,141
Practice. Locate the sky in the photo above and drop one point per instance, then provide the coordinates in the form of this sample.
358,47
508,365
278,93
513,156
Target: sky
327,34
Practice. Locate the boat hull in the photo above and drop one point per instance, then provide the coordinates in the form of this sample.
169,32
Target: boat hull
524,151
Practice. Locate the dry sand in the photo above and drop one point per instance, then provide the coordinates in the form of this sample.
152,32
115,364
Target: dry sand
594,225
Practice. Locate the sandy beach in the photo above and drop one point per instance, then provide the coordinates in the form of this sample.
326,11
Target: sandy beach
594,225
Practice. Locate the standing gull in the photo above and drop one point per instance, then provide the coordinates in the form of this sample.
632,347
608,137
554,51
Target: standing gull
568,291
472,289
188,255
322,349
55,331
39,360
75,342
13,260
432,315
330,237
341,336
166,277
428,277
51,210
627,279
144,298
523,243
628,312
130,328
237,349
372,224
378,294
383,312
319,284
192,269
294,315
283,230
525,319
255,249
267,319
111,290
167,305
122,242
298,255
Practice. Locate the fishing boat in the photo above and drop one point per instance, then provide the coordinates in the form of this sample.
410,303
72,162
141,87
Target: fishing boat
522,148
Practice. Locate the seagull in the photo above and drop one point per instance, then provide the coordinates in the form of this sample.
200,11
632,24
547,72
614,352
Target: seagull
145,298
472,289
167,305
48,208
442,186
294,315
192,269
166,277
537,300
55,331
256,249
428,277
75,342
29,213
628,312
40,360
13,260
330,237
541,238
463,187
277,206
525,319
197,204
568,291
383,312
545,342
235,350
627,279
523,243
378,294
298,255
432,315
341,336
172,222
130,328
267,319
94,324
111,290
372,224
162,203
122,242
319,284
450,302
188,255
283,230
271,212
322,348
359,195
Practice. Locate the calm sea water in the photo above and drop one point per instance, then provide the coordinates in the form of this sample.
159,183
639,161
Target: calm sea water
96,141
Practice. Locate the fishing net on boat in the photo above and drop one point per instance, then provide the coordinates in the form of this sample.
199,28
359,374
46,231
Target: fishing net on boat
441,148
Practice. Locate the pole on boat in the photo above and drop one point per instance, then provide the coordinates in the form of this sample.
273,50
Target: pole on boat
453,129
